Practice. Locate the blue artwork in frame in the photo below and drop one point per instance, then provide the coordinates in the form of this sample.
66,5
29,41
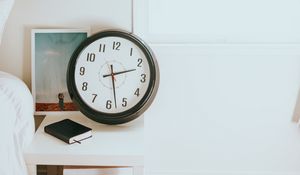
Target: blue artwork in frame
51,51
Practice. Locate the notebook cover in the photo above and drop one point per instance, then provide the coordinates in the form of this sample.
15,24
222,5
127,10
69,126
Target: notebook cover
66,129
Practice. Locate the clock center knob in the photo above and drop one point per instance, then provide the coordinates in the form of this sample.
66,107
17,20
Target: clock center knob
105,75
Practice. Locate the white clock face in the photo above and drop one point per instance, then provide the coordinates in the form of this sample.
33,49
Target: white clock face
112,74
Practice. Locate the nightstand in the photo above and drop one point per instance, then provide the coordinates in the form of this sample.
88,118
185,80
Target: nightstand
110,146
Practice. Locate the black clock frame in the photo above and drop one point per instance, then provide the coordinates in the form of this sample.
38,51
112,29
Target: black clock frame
125,116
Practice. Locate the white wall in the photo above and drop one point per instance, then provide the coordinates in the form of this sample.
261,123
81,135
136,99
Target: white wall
223,113
218,21
230,73
229,77
15,56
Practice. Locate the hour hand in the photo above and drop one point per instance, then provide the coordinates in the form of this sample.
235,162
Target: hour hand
117,73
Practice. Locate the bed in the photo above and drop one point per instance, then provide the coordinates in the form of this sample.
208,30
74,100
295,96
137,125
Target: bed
17,124
16,114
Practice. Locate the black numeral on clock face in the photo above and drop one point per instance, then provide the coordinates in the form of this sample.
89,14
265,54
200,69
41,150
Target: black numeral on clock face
140,61
102,48
143,78
108,104
82,70
131,50
84,86
124,102
94,97
116,45
91,57
137,92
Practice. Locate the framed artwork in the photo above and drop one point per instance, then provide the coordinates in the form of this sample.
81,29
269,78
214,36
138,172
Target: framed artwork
50,54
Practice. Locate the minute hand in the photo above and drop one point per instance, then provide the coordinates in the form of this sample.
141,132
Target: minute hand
117,73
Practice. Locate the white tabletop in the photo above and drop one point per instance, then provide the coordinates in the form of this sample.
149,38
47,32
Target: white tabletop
120,145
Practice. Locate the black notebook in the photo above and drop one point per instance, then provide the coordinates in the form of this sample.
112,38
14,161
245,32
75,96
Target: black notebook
68,131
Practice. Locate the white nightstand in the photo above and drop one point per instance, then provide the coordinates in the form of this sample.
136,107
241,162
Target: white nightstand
120,145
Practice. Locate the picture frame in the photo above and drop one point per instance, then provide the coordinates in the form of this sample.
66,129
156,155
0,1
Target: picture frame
51,50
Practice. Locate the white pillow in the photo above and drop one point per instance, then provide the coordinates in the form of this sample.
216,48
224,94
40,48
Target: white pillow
5,8
16,124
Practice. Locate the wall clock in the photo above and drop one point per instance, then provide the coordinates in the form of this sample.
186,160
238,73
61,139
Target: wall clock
113,77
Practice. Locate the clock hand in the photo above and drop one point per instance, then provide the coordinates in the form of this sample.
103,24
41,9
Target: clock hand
117,73
113,83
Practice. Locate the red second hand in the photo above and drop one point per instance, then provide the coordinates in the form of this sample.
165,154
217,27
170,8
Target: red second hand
113,77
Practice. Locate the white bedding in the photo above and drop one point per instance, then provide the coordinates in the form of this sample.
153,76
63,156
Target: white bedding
16,114
16,124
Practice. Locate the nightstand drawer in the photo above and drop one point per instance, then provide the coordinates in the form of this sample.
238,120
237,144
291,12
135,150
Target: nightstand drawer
86,170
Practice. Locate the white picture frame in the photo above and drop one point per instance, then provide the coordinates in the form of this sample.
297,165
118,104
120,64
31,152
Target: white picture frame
51,50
